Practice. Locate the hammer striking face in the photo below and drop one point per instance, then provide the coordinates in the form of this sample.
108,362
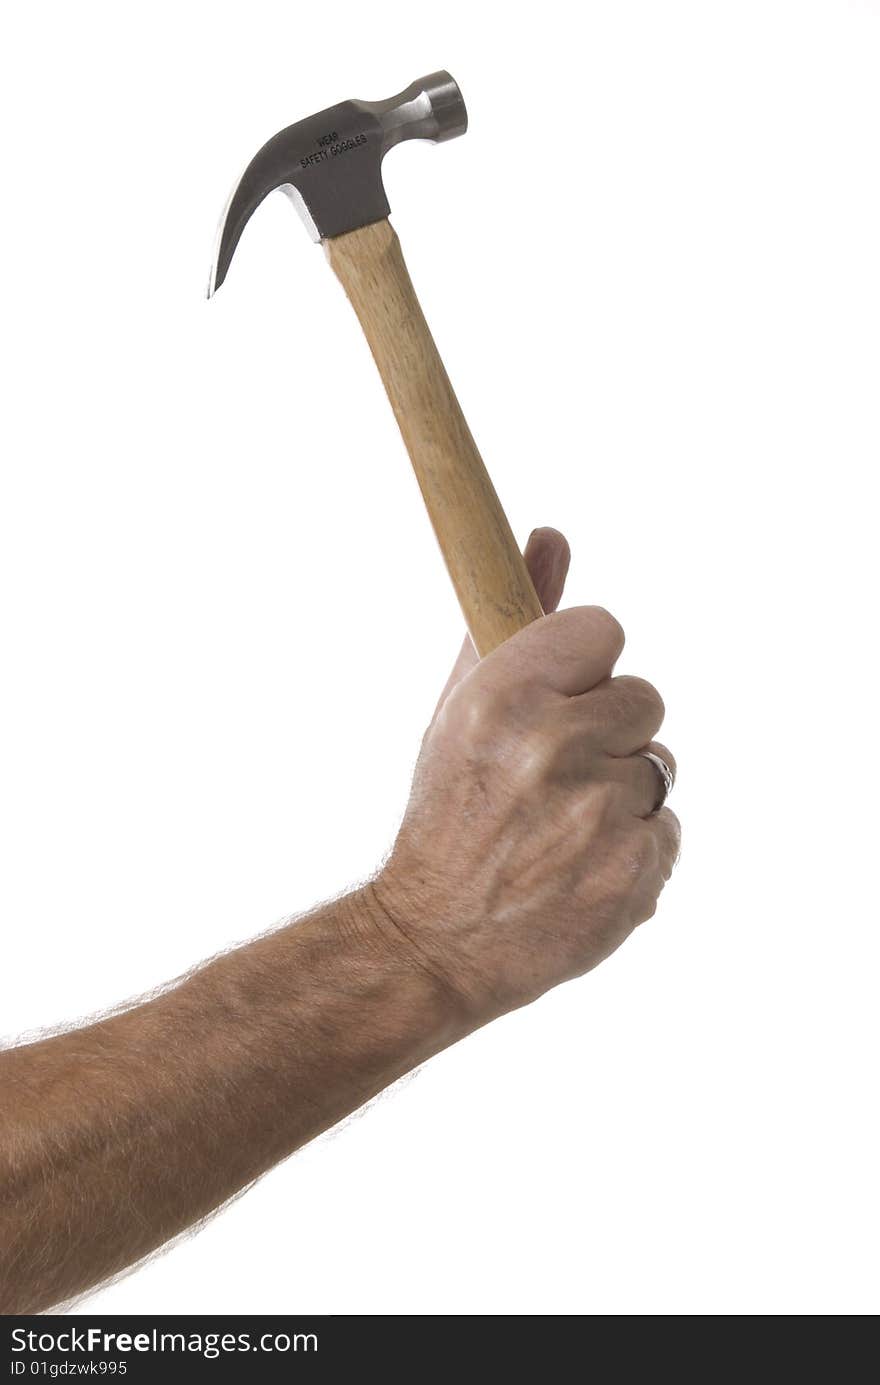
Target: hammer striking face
331,166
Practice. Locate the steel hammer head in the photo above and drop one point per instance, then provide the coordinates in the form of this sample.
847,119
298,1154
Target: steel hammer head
330,164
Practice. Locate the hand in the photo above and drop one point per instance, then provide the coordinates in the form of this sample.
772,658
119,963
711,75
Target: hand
530,849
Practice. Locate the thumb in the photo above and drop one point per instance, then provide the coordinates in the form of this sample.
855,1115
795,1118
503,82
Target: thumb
547,556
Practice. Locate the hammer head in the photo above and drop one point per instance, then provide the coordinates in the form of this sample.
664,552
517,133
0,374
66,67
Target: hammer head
330,164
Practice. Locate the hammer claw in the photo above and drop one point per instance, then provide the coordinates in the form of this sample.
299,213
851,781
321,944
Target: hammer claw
331,165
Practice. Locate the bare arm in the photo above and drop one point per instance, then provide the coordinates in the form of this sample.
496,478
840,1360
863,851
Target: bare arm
529,851
118,1136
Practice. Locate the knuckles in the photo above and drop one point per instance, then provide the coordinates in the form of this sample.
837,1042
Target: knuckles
493,712
607,626
625,699
594,624
522,735
638,692
591,627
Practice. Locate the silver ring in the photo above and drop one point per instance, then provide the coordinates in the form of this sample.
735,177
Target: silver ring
667,778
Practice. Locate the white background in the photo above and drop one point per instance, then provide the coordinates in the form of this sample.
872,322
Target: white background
652,266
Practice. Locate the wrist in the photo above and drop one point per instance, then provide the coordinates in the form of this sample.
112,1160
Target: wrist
388,938
377,947
411,927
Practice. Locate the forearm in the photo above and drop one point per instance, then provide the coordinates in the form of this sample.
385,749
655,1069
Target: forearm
120,1135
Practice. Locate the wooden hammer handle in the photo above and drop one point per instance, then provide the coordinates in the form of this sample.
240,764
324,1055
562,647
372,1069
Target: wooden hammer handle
487,570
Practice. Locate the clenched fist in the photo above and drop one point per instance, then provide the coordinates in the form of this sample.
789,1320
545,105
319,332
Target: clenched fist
531,847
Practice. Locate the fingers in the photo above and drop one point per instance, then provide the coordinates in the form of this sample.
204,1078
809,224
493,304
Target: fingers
661,847
620,715
659,844
667,831
569,652
639,781
547,557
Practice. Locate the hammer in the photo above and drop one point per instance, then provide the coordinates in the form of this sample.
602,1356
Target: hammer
330,165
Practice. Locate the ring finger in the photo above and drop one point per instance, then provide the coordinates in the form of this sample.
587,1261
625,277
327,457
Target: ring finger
641,781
